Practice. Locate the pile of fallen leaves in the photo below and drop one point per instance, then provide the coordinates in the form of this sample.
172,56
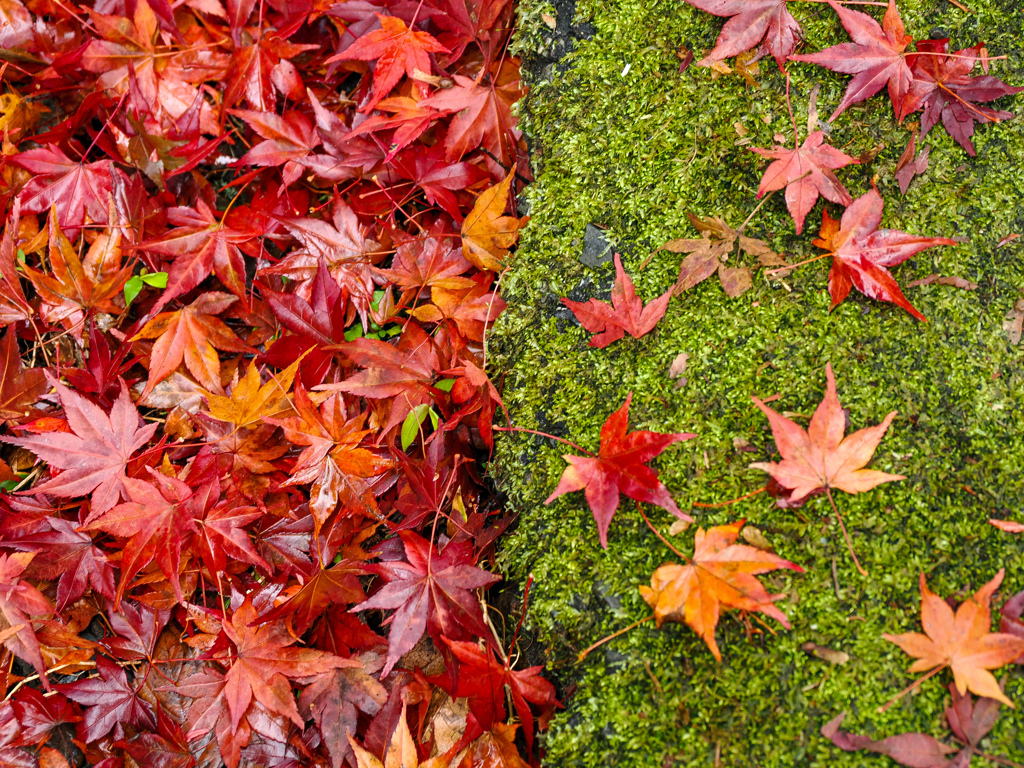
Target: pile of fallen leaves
246,272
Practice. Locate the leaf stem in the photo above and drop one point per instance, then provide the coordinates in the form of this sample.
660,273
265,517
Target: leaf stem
658,533
798,264
789,106
842,525
583,654
570,443
764,200
738,499
910,687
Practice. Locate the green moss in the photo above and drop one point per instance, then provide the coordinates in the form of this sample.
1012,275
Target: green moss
634,153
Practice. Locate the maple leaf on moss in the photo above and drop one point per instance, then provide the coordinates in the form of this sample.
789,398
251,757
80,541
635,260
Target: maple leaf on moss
711,254
917,750
819,457
767,24
805,172
619,467
947,93
861,253
962,641
876,57
398,51
93,456
626,313
720,574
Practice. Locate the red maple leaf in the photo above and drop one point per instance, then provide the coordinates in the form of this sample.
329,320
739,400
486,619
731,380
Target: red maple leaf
157,518
191,335
876,56
483,110
861,253
404,371
18,601
94,455
67,556
483,678
201,243
335,460
77,190
765,23
397,49
946,91
434,260
431,591
618,468
20,387
111,702
626,313
14,306
805,172
332,701
264,660
287,140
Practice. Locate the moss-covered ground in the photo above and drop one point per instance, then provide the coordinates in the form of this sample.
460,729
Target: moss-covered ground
633,151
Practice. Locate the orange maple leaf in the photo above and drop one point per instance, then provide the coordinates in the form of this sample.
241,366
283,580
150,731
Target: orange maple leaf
720,573
819,457
487,233
193,334
961,641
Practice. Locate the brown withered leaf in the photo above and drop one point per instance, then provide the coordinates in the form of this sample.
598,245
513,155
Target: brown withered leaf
711,253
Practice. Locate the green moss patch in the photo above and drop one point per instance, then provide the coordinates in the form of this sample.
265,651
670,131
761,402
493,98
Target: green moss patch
633,151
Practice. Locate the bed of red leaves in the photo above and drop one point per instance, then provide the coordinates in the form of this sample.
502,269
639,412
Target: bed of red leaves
247,267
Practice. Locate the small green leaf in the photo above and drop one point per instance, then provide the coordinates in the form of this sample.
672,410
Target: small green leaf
411,425
155,279
21,256
9,485
132,289
445,385
355,332
434,418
